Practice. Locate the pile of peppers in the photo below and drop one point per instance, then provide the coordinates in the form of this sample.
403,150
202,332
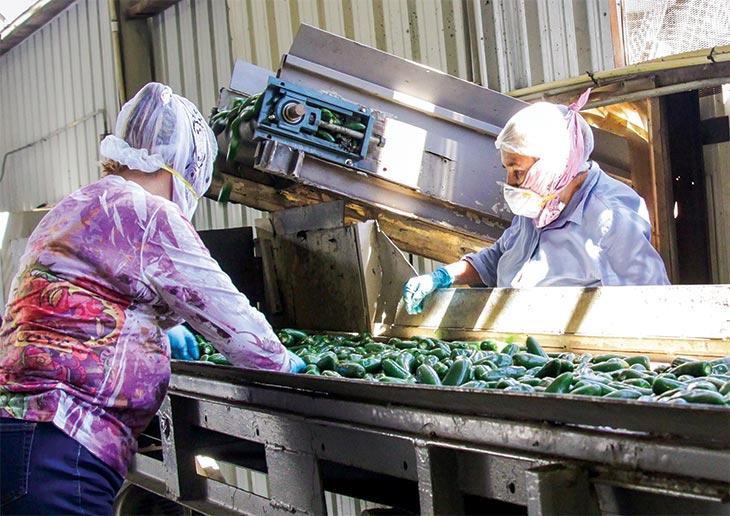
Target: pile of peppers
509,366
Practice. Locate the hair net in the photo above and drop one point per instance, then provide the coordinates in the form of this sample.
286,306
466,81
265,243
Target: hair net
559,138
539,131
158,129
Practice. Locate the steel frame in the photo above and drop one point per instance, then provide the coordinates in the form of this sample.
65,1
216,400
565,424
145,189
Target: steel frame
544,464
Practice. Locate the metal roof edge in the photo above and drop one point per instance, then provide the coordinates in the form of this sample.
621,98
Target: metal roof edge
35,21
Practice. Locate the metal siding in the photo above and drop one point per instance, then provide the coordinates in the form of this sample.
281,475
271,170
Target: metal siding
189,67
207,86
222,42
595,43
101,81
169,71
58,147
511,44
430,32
57,76
524,41
262,34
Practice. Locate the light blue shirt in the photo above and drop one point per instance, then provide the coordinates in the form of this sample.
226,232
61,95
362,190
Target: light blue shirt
602,237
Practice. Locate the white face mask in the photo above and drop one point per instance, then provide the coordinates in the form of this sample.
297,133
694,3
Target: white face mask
522,201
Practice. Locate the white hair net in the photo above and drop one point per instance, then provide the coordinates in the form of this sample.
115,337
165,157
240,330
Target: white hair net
158,129
541,131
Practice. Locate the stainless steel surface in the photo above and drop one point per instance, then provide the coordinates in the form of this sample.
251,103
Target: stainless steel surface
249,79
438,492
620,433
284,464
489,473
385,270
548,488
280,159
439,130
325,215
337,278
320,279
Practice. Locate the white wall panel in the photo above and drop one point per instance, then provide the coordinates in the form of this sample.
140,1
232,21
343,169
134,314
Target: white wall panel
58,96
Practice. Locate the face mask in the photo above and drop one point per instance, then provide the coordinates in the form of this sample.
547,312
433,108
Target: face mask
524,202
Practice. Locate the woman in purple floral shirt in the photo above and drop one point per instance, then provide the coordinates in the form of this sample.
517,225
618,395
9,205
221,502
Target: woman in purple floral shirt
84,359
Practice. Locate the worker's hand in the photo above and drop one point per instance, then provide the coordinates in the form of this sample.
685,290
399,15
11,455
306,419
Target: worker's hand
296,364
416,289
183,345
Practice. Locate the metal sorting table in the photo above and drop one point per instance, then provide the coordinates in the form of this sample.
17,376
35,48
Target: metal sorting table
432,450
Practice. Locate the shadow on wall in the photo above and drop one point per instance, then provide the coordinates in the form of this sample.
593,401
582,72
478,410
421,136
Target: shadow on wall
15,228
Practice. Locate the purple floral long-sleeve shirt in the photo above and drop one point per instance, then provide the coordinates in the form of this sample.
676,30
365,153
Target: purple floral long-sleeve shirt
82,342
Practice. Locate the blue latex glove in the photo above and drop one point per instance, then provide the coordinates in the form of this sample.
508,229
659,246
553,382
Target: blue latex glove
416,289
183,345
296,364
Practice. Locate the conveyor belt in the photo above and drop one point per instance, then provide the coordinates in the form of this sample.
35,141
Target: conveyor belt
703,425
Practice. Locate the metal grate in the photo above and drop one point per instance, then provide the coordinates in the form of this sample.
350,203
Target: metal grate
658,28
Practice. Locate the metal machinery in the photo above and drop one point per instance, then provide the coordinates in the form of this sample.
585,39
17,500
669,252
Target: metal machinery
409,154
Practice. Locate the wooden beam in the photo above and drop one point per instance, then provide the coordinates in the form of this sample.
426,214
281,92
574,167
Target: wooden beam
147,8
661,171
411,235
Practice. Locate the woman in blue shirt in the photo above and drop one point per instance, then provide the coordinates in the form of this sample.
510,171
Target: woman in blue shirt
574,225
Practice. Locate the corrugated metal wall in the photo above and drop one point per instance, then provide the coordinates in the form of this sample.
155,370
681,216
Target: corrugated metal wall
504,44
57,96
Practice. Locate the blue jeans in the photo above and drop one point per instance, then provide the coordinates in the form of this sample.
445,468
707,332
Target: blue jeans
43,471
